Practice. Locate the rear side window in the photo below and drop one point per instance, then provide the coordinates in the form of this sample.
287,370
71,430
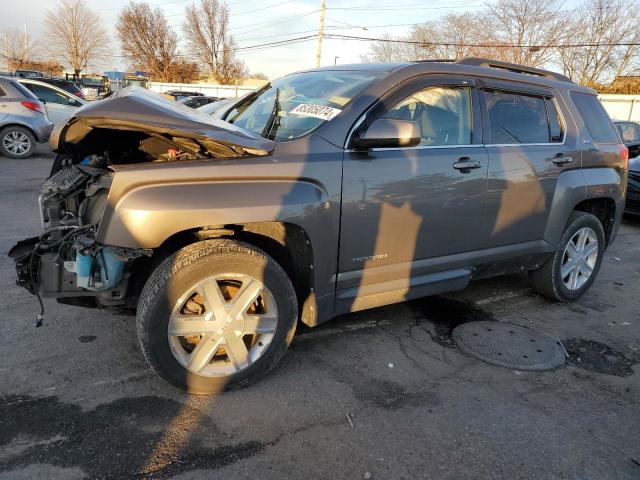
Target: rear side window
595,118
49,95
24,91
517,118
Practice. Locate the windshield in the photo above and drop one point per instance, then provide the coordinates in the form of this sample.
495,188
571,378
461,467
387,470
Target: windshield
92,81
139,83
294,105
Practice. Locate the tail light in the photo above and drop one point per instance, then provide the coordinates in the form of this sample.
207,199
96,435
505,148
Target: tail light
33,106
624,156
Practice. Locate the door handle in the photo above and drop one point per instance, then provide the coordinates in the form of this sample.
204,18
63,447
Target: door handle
464,164
561,159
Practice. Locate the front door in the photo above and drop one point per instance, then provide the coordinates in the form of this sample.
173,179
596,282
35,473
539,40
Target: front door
408,212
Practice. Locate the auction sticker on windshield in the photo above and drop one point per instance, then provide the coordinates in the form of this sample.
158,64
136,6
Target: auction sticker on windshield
317,111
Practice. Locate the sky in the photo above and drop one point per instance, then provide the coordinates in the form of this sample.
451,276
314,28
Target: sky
258,22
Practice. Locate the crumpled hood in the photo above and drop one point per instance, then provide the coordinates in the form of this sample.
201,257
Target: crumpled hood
137,109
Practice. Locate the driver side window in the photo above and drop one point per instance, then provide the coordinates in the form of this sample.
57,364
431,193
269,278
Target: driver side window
442,114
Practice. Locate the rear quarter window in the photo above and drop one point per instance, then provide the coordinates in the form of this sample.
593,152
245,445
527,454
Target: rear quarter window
595,118
24,91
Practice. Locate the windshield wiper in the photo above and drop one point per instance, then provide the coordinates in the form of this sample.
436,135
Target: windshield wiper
274,117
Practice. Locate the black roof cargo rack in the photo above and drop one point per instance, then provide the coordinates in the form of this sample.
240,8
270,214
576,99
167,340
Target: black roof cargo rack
512,67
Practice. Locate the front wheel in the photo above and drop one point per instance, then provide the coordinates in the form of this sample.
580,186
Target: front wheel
216,315
569,273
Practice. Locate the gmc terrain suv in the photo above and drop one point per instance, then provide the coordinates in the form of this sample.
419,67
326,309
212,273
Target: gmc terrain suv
324,192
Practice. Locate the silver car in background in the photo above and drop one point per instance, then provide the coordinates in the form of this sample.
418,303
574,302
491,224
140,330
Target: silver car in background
23,120
59,104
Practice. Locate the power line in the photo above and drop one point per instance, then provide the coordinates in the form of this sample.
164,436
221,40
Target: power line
482,45
405,7
263,8
268,23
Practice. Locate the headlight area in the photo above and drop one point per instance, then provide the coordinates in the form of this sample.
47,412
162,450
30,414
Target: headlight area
65,261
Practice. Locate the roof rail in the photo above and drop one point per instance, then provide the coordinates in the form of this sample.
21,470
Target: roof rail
437,60
512,67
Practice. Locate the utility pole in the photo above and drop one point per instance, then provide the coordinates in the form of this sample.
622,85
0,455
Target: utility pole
323,9
6,50
26,43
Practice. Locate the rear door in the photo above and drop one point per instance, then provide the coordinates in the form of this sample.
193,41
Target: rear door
530,142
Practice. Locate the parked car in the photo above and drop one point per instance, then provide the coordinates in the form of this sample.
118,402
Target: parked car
23,120
324,192
59,103
181,94
94,86
199,101
630,133
217,109
66,85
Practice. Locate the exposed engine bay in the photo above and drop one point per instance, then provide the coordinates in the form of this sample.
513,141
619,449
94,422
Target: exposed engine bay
65,260
132,126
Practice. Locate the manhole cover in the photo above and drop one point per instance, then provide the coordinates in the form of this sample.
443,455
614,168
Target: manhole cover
508,345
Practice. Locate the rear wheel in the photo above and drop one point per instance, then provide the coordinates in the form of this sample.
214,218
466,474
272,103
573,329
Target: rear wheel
569,273
17,142
216,315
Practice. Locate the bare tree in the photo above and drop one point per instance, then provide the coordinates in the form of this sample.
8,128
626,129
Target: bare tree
147,40
76,34
206,29
520,24
598,26
182,71
17,47
391,49
454,37
503,31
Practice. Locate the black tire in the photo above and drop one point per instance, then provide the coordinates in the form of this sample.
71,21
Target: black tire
190,265
21,131
547,280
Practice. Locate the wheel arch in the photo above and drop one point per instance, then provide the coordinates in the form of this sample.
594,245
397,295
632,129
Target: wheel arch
287,243
604,209
599,191
21,125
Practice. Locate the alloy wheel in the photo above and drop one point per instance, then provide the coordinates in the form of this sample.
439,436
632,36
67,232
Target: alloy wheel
222,325
579,259
16,143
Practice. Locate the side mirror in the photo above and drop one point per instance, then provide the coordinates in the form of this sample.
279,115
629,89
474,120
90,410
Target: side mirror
387,133
72,101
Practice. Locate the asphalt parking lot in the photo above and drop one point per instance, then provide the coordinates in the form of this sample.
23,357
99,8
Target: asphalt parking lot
381,394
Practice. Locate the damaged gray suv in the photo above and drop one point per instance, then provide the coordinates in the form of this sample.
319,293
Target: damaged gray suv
324,192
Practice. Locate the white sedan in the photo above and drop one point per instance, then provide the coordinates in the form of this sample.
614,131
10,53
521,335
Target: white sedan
59,103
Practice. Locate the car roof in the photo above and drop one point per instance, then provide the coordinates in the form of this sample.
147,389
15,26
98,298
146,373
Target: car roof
473,67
